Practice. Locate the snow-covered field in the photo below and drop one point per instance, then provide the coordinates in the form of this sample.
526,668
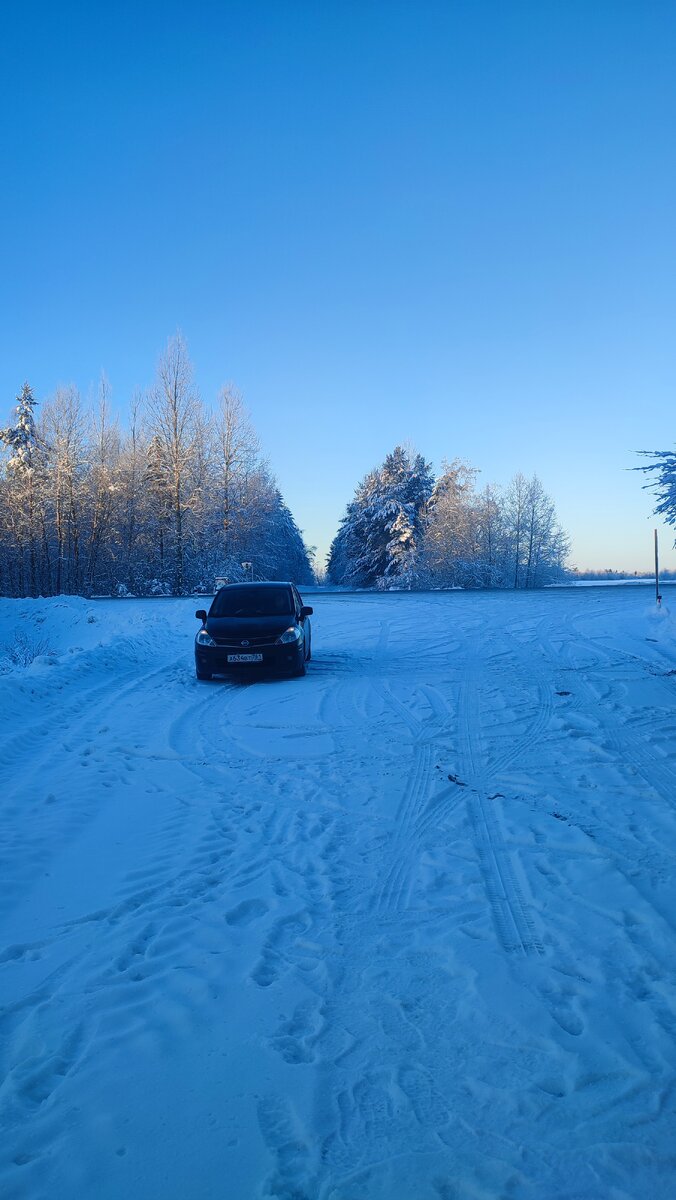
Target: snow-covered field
400,930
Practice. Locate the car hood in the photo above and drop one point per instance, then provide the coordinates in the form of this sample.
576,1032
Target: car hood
249,627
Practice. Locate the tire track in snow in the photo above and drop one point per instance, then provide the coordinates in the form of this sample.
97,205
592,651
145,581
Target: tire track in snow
395,891
383,689
418,814
511,918
513,923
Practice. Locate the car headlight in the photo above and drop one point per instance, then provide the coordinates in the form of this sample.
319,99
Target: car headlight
293,634
203,639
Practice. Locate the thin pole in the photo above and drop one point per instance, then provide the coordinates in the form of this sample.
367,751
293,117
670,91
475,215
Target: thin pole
658,598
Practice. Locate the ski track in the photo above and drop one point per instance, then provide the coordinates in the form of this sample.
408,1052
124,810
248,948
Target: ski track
378,888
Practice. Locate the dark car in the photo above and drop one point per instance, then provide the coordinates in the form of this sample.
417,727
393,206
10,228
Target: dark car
260,626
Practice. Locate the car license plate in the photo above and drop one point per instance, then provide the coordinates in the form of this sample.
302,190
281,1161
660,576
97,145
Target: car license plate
245,658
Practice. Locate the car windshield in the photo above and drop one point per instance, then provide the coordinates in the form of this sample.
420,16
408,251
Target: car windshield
252,602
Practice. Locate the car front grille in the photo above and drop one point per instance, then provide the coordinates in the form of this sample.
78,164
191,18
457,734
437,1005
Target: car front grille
244,644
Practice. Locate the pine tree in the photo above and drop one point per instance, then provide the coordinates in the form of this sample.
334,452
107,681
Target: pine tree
663,482
22,443
379,538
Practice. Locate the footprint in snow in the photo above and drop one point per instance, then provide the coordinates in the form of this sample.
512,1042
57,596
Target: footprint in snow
246,912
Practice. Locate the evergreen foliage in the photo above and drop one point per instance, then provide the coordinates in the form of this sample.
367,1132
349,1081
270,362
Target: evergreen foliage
377,543
663,482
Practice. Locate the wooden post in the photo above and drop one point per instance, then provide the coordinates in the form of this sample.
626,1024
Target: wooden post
658,598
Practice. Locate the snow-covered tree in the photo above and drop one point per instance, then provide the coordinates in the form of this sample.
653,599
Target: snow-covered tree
133,460
489,557
236,455
24,462
378,542
536,546
400,528
663,482
104,450
175,501
173,410
20,438
64,428
450,535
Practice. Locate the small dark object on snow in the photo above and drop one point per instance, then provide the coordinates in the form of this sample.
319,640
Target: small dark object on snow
496,796
559,817
564,693
454,779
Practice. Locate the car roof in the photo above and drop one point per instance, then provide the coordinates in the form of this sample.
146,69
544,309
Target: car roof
266,583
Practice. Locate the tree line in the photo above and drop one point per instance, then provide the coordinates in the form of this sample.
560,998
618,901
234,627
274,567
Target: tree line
404,528
165,506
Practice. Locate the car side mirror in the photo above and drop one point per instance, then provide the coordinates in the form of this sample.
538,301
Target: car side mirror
201,615
306,611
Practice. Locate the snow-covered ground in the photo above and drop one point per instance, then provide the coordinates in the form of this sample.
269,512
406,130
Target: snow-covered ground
400,930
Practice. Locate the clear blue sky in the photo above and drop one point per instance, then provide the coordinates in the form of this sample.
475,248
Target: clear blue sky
447,223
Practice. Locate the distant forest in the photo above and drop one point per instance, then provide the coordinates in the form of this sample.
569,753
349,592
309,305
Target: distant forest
609,573
162,507
406,528
182,496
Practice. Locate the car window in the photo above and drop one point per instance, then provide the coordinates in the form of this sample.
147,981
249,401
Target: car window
252,602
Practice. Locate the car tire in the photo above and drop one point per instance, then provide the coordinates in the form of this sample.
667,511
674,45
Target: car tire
202,674
309,653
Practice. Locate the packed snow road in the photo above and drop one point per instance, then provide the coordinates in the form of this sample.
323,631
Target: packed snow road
400,930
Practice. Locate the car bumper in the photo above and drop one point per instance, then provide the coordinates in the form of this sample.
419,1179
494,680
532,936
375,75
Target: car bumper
273,658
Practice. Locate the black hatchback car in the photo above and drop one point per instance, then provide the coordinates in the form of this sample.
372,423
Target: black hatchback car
264,626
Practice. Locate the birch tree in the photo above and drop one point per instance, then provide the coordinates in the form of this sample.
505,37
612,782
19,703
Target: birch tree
133,456
449,544
177,499
237,450
104,451
515,508
64,435
173,410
